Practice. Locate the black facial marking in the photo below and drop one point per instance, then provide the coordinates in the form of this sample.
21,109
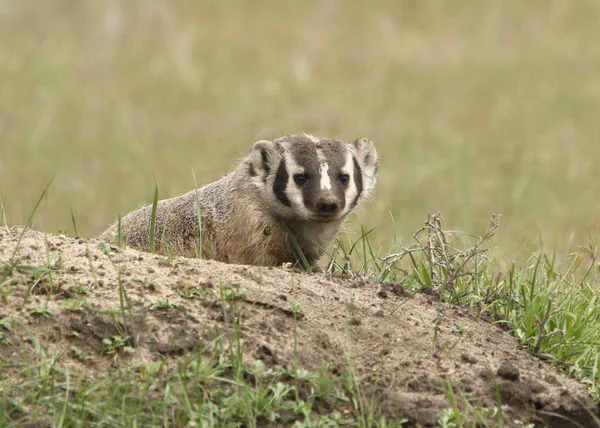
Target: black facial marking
357,181
265,160
281,180
304,154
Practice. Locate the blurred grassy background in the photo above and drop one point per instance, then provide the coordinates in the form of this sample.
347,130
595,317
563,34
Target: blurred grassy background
475,107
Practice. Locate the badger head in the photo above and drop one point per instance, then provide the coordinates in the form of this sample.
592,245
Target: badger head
301,177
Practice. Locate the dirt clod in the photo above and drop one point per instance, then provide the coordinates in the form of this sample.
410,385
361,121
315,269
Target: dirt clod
508,371
175,347
468,358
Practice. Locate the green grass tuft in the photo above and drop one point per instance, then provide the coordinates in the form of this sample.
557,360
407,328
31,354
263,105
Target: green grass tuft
551,306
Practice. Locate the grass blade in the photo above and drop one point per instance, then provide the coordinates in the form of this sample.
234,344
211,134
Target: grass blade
74,223
199,215
119,232
299,254
153,219
3,214
30,218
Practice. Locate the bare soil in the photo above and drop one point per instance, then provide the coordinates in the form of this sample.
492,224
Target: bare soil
390,331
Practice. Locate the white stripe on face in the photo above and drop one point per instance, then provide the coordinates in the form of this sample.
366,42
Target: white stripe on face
324,171
325,181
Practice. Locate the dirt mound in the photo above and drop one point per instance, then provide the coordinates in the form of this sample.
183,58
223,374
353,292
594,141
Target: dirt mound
384,332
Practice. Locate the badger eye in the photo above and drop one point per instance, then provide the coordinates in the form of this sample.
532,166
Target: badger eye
300,179
345,179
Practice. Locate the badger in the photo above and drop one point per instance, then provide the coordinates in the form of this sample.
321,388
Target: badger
284,203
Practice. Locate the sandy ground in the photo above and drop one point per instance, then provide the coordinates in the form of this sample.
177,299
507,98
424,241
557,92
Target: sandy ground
389,331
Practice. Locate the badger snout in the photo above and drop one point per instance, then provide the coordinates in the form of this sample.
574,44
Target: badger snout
327,206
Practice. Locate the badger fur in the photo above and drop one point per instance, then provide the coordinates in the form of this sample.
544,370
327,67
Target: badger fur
293,191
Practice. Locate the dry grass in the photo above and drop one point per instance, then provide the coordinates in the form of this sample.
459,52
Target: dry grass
475,107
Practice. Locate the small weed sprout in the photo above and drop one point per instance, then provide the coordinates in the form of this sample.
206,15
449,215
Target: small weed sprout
4,340
105,248
197,293
6,286
230,293
81,355
75,305
115,343
41,311
57,264
164,304
5,324
148,282
77,287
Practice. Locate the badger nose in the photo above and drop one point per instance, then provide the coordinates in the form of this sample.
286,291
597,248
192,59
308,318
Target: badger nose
327,206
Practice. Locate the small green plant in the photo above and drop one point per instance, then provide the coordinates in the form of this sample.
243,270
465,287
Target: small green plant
105,247
6,271
197,293
4,340
5,324
39,279
325,382
448,418
125,311
77,287
463,413
57,264
75,305
164,304
167,250
116,343
148,282
41,311
81,355
232,292
296,308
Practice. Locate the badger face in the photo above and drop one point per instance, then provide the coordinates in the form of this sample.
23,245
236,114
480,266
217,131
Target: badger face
301,177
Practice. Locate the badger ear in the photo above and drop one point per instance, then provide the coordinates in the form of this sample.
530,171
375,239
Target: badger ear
366,160
264,158
366,155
